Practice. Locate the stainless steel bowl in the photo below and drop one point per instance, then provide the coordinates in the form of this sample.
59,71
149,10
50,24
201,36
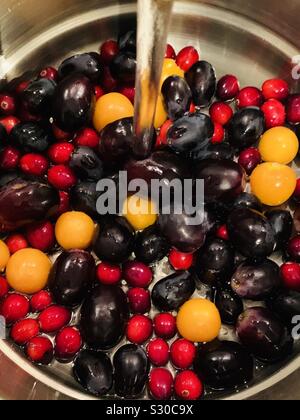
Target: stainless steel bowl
256,40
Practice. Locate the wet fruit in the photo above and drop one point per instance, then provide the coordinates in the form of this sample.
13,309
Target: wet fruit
275,89
139,329
139,212
183,354
282,223
23,331
87,137
74,230
88,64
40,301
4,287
40,350
273,183
109,49
201,78
9,158
275,114
177,96
224,365
165,325
249,159
290,274
187,57
228,88
132,368
150,245
221,113
28,271
293,109
279,144
14,308
110,108
229,305
41,236
84,198
171,292
60,153
139,300
286,304
180,260
161,384
103,317
38,96
158,352
62,177
4,255
34,164
123,67
71,277
30,137
54,318
246,127
94,372
249,96
199,321
261,332
86,164
109,274
137,274
188,386
68,343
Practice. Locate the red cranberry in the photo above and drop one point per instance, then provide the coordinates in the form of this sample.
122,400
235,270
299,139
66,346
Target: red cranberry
187,57
41,236
181,260
59,134
219,134
249,159
170,52
68,343
87,137
183,354
109,84
158,352
4,287
193,108
293,248
108,51
188,386
9,123
22,86
23,331
9,158
161,384
165,325
16,242
249,96
64,204
222,233
14,307
221,113
293,109
139,300
40,350
62,177
8,104
228,88
275,89
41,301
290,273
34,164
99,92
129,92
162,137
49,73
108,273
296,195
54,318
137,274
274,111
60,153
139,329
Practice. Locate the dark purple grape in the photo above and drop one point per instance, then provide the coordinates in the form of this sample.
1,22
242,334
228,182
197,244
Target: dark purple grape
127,41
221,151
38,96
86,164
170,293
73,103
132,367
177,96
123,67
201,78
30,137
246,127
72,275
251,233
115,241
184,235
263,334
161,165
256,280
23,202
246,200
150,246
215,262
116,141
224,180
191,135
286,304
224,365
282,223
84,198
94,372
3,134
6,178
88,64
229,305
104,315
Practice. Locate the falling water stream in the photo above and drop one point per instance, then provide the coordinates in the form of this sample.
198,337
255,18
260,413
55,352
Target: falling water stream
153,26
